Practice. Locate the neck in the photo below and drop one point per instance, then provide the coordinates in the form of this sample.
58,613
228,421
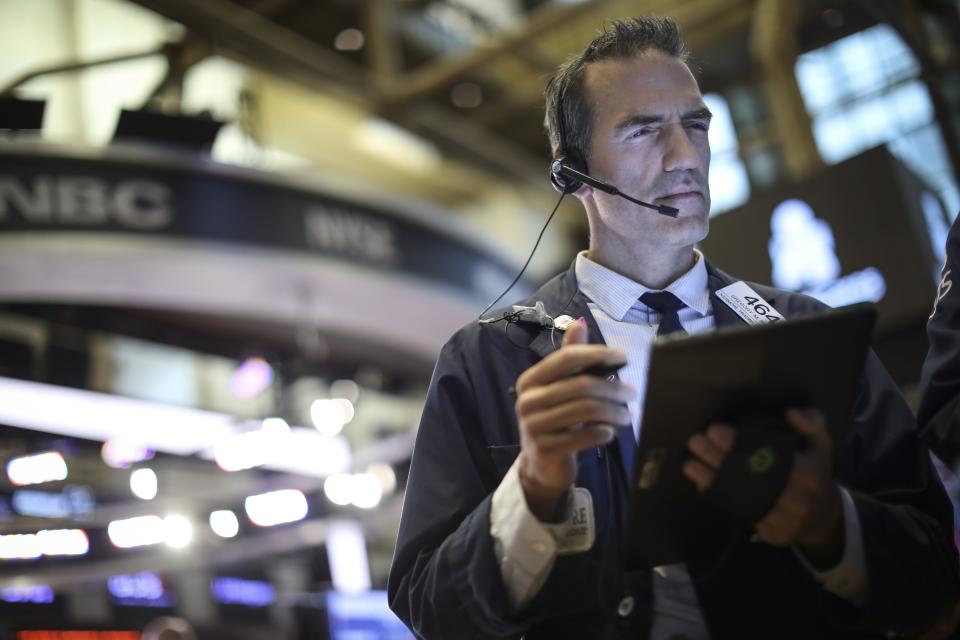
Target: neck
654,267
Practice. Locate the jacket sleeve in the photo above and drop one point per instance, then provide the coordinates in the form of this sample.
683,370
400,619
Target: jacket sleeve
444,581
905,516
939,412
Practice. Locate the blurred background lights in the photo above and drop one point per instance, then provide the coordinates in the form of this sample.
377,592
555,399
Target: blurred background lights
276,426
366,491
338,488
329,415
48,542
143,484
253,448
251,378
177,531
348,40
363,490
121,453
250,593
466,95
345,388
136,532
36,469
38,594
145,585
276,507
385,475
63,542
19,546
224,523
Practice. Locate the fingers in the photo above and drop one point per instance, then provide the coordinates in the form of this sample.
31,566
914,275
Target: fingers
700,474
575,440
713,445
802,510
570,414
568,360
576,333
710,450
584,386
812,424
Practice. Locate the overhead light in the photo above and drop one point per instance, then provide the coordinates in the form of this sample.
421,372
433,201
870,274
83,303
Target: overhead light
37,594
330,415
37,469
396,145
99,416
466,95
345,389
347,556
72,501
136,532
176,430
363,490
143,589
143,484
249,593
276,507
348,40
177,531
224,523
121,453
385,475
47,542
251,378
339,488
366,491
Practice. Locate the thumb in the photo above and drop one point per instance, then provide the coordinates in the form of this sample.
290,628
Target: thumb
576,333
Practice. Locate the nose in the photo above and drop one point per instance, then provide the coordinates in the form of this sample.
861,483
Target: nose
680,154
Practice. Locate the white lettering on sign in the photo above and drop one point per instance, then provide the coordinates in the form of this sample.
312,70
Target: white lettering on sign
86,200
341,231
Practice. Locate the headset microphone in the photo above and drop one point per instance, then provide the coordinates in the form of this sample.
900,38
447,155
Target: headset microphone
566,179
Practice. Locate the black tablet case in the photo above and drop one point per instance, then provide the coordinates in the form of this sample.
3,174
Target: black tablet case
815,360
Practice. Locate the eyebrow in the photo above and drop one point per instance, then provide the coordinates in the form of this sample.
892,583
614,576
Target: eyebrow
639,120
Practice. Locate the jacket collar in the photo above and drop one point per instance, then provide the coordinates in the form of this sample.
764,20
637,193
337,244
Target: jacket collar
560,297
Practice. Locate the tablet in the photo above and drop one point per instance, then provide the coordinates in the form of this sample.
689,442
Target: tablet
727,375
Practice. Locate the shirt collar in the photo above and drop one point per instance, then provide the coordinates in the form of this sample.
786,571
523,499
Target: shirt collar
615,294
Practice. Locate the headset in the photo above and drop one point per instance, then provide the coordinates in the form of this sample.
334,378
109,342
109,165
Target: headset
568,171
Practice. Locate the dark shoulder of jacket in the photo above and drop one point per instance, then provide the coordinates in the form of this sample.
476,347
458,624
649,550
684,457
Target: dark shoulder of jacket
788,303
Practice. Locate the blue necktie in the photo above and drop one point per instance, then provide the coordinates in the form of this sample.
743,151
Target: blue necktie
667,305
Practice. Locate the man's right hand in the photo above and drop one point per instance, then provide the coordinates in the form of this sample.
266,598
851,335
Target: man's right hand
561,413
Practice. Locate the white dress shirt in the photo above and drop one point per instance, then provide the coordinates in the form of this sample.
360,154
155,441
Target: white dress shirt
527,548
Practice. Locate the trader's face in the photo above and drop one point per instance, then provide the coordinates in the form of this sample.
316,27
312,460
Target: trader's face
649,140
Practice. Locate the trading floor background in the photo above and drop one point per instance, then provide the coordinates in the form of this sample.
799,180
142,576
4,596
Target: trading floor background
234,235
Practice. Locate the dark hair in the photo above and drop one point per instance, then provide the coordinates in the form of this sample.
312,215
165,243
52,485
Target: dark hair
565,94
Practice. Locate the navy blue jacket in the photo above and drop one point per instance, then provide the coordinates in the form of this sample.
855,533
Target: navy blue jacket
445,583
939,412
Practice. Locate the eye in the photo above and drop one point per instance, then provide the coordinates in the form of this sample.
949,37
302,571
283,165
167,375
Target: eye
642,131
699,125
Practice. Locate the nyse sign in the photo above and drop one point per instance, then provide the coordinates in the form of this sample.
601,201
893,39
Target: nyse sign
202,202
86,201
337,230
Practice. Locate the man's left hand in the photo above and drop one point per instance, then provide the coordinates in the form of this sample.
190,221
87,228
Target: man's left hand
809,511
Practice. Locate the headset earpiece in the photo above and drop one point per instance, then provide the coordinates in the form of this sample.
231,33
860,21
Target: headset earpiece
563,182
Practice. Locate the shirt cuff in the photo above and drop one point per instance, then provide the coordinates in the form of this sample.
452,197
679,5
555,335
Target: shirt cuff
526,548
848,579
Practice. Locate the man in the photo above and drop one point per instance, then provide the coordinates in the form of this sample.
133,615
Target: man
939,412
516,497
